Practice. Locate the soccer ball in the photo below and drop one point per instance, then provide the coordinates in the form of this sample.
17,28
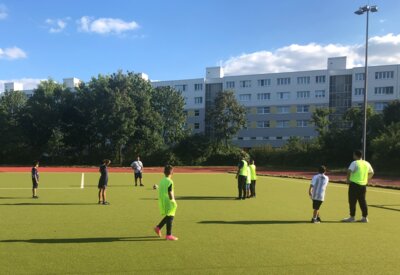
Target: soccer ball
155,186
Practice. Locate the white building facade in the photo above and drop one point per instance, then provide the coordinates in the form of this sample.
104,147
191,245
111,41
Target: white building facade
280,105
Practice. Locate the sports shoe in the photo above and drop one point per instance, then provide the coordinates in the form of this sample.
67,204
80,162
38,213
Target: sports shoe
35,197
106,203
171,238
100,202
141,185
314,220
158,231
319,219
364,220
349,219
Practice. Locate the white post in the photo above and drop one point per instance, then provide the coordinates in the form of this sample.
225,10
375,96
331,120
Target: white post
83,180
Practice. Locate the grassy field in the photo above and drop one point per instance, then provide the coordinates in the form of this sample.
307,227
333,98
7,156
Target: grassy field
66,232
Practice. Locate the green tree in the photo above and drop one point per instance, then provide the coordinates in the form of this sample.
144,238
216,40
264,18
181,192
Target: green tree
12,142
226,117
391,114
386,147
169,104
320,118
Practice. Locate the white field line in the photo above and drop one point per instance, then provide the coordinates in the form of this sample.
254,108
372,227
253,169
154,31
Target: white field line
43,188
369,189
83,181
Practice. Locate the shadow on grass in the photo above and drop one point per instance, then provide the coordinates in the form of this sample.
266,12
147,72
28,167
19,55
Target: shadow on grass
196,198
46,203
204,198
262,222
14,198
86,240
386,207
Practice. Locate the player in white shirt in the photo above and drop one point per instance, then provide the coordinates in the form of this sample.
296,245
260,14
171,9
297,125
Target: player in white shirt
137,167
317,192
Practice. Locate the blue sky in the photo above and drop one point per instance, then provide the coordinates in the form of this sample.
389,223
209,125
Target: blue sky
174,39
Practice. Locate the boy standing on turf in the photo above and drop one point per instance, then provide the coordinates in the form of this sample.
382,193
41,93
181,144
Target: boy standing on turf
103,182
241,176
248,182
317,192
137,167
253,178
167,203
35,179
358,175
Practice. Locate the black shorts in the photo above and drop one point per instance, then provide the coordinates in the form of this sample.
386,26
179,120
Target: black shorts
102,186
138,175
35,184
316,204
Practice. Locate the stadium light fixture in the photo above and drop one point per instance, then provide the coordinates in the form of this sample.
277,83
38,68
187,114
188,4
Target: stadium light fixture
366,9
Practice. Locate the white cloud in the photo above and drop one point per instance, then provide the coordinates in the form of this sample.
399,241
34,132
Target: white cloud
12,53
3,12
105,25
313,56
56,25
29,83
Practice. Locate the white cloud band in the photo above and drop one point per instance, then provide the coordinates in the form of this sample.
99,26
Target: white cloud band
383,50
106,25
12,53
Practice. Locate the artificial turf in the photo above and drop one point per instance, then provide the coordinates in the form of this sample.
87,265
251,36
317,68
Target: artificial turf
65,231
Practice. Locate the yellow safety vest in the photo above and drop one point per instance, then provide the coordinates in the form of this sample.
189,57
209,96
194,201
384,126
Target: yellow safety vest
243,170
360,176
253,174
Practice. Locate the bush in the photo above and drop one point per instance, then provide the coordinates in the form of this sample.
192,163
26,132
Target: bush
226,156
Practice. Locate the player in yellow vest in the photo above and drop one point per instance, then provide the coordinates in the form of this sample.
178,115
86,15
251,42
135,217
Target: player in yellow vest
241,176
253,178
167,203
358,174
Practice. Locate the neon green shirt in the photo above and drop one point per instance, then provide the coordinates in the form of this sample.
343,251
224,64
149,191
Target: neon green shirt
359,171
167,206
253,174
243,171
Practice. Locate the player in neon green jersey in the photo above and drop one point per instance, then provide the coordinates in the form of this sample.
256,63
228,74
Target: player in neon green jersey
253,178
167,203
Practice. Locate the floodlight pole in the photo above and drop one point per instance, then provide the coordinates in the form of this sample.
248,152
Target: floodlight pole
360,11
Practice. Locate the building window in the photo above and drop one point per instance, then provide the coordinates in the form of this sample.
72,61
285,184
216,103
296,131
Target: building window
263,96
279,138
185,113
181,88
359,76
359,91
196,112
263,124
283,95
283,81
245,84
197,126
320,94
198,87
263,110
240,138
320,79
244,97
248,110
282,123
198,100
283,109
302,123
264,82
384,90
303,94
303,80
253,138
265,138
380,106
230,84
303,108
384,75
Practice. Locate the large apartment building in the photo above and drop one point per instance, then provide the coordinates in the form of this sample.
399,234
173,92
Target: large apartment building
280,105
